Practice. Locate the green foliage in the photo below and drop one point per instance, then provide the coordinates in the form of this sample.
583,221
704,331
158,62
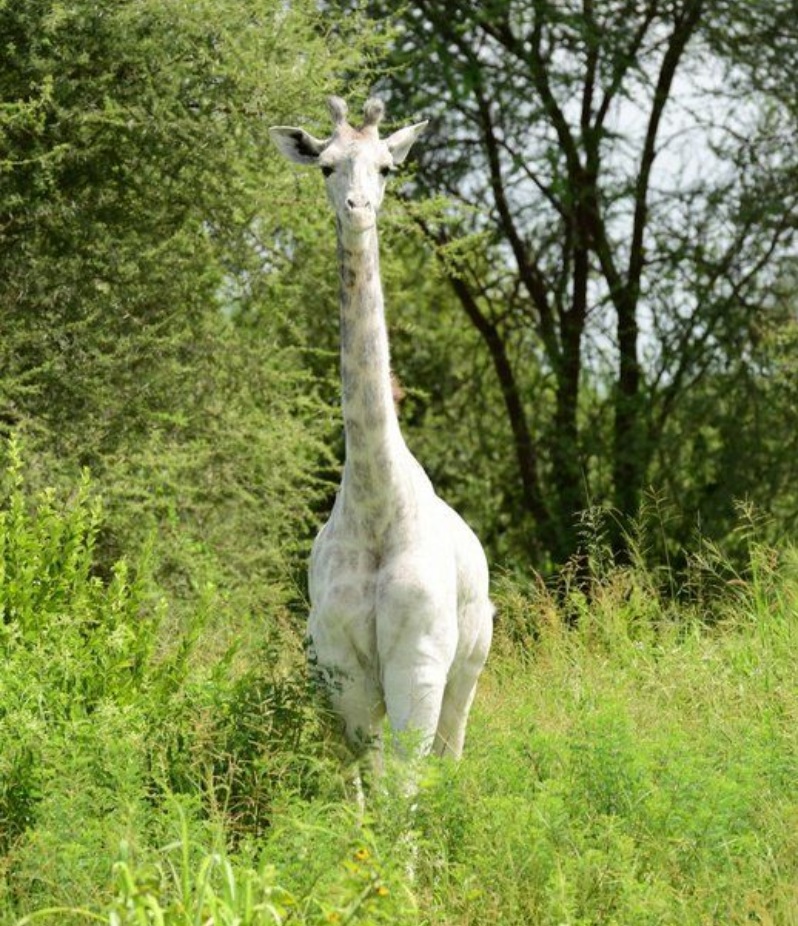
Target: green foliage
619,290
636,765
79,658
49,610
185,885
742,424
266,741
106,708
640,777
632,753
148,325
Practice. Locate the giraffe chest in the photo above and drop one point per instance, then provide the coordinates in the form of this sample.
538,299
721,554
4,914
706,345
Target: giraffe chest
343,593
352,550
367,515
381,490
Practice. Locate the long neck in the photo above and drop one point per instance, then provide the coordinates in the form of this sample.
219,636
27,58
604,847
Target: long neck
373,439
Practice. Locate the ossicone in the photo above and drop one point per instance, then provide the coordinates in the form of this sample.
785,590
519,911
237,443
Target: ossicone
373,112
338,110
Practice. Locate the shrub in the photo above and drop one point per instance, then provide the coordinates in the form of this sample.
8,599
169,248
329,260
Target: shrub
76,647
109,708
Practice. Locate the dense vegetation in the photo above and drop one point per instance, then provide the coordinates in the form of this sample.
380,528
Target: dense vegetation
636,768
595,302
599,368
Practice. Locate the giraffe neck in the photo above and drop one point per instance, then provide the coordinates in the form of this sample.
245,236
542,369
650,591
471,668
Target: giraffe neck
374,443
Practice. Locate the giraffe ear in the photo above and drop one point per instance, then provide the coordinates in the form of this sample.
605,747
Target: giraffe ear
296,144
400,143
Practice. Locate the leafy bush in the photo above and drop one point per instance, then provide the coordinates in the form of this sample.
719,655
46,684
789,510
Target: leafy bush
184,888
76,647
108,707
268,739
635,768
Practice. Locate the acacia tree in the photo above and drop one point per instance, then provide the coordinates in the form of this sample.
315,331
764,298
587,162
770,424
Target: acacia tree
613,173
142,303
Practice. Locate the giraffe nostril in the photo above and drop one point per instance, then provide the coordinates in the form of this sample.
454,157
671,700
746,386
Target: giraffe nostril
353,203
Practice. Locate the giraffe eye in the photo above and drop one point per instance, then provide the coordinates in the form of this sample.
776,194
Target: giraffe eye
386,171
327,170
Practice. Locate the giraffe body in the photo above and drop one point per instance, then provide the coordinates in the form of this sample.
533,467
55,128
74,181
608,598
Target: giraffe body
400,620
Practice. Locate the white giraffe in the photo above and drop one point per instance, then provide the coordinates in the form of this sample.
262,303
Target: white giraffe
400,618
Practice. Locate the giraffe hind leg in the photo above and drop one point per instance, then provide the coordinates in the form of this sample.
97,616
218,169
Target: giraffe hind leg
457,700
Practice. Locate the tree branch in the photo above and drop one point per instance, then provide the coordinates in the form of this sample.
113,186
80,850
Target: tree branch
684,28
525,449
533,279
624,62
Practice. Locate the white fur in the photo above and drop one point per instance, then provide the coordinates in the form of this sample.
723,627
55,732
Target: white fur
400,619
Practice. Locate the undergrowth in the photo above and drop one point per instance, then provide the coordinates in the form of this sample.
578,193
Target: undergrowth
634,765
631,759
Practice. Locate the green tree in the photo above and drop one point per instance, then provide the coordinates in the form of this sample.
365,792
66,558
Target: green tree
147,322
631,203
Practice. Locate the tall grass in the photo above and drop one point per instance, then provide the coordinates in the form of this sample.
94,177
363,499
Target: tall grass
632,755
638,767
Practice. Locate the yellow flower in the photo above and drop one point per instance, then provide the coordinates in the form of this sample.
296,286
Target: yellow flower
381,890
362,854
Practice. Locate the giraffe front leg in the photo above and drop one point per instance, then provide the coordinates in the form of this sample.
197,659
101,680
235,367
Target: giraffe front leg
361,709
358,703
416,640
413,698
461,686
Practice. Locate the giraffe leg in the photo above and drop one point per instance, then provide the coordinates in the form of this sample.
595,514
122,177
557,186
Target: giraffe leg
358,703
457,701
413,697
476,623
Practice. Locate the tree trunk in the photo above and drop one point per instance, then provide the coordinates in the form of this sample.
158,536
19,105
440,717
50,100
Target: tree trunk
569,478
630,459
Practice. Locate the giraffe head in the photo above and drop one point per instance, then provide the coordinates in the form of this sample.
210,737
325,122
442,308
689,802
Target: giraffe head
355,162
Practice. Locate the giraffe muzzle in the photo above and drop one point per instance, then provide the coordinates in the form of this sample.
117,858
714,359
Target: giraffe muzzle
360,215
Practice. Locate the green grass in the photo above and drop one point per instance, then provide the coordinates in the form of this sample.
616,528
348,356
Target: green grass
652,786
630,760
